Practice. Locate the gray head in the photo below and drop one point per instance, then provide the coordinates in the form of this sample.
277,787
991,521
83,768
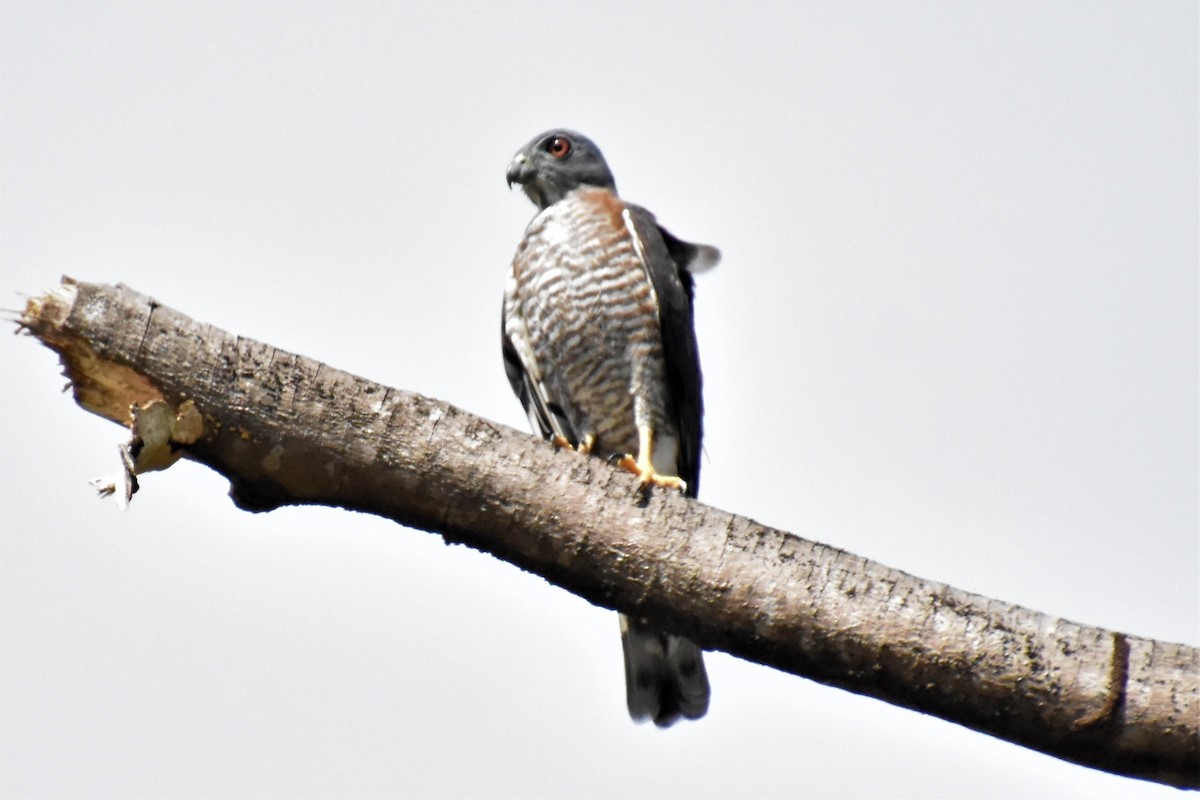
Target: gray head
556,162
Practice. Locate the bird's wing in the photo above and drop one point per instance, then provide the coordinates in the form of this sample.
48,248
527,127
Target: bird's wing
667,260
525,377
691,256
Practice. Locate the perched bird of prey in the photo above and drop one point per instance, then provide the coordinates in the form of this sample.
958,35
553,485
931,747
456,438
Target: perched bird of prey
599,346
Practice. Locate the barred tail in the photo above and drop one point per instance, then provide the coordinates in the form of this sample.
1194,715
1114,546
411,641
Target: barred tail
664,674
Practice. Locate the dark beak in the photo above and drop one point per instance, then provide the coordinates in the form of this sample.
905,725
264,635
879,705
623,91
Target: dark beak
520,170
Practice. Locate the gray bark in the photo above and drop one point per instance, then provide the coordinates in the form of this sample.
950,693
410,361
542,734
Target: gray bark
287,430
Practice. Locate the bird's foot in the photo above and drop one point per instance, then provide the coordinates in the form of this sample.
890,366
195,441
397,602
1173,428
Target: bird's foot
583,448
642,467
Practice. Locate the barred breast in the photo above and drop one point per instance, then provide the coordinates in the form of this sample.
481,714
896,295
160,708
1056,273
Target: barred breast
590,320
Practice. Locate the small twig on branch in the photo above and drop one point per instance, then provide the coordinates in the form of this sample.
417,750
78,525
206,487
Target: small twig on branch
287,430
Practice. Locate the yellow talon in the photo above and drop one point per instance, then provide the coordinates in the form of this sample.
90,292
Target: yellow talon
584,447
644,468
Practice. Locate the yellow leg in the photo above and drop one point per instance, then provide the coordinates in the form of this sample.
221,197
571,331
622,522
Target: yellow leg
643,467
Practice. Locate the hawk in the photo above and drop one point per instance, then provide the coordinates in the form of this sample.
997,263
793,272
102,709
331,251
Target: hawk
599,346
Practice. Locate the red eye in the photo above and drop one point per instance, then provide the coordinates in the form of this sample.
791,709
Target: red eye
559,147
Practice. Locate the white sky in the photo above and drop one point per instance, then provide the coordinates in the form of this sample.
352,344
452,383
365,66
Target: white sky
955,331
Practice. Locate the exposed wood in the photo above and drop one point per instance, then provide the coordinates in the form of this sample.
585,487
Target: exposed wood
287,430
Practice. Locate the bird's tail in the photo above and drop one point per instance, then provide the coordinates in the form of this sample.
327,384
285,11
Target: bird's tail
664,674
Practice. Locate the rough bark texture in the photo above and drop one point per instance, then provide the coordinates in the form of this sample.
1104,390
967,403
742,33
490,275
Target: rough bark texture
287,430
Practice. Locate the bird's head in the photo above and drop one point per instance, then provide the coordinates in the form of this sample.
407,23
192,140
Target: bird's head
557,162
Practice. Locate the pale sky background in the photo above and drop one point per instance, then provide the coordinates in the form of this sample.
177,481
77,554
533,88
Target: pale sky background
955,331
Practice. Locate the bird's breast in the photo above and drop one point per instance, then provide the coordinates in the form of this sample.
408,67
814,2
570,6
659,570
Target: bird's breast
588,305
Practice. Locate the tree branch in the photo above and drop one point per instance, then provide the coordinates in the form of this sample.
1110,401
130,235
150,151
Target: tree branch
287,430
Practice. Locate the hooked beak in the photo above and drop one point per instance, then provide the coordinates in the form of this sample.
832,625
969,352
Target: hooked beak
520,170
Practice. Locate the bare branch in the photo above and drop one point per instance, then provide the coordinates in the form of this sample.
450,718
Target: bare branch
288,430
